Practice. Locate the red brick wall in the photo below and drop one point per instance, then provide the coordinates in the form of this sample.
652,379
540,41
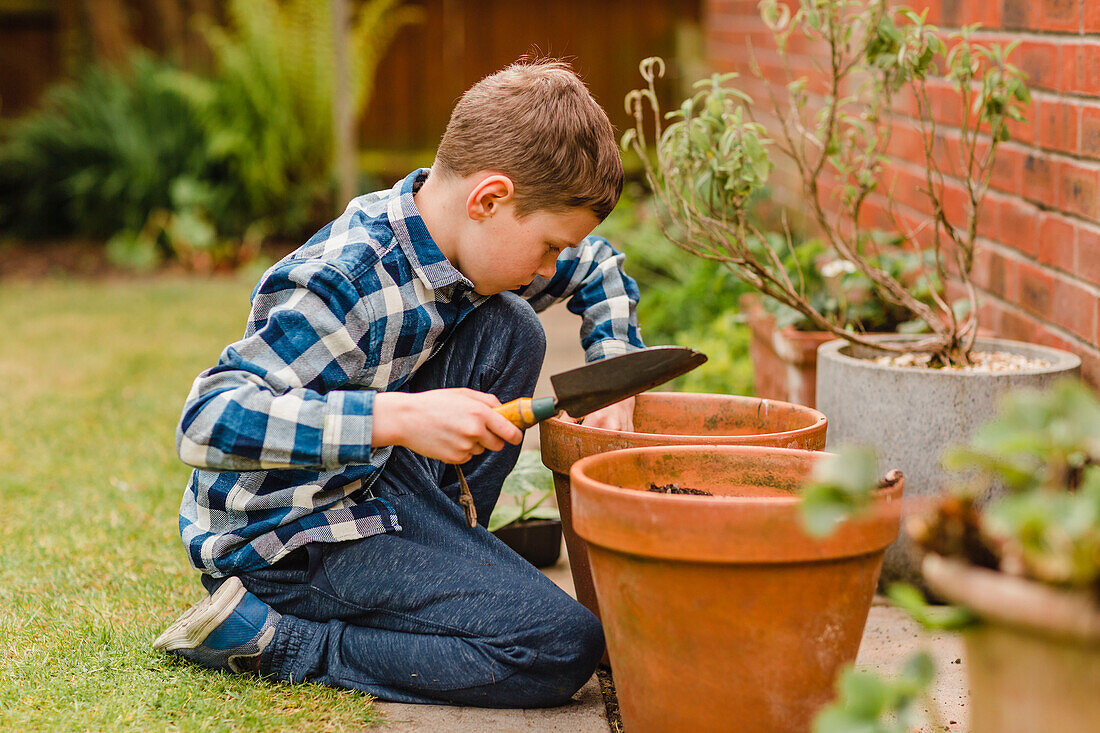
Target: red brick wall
1038,261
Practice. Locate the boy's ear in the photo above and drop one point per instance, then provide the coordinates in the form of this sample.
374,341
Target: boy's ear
488,194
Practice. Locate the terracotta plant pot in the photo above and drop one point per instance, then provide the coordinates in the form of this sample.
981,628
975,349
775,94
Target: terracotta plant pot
538,541
1034,661
671,418
784,360
721,613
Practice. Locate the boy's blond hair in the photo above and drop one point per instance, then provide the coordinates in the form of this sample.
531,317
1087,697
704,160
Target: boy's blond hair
536,122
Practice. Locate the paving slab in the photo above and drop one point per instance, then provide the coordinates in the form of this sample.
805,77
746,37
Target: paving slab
891,637
584,714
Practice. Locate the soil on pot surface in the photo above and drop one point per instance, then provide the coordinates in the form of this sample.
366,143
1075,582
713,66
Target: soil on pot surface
677,489
983,361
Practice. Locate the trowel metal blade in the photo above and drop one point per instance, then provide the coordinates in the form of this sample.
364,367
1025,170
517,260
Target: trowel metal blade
605,382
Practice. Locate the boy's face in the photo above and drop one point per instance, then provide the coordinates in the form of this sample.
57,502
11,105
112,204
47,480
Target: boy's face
507,252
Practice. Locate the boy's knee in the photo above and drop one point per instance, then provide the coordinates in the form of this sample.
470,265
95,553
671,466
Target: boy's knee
566,665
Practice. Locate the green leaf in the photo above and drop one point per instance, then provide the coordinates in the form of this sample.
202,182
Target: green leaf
836,720
526,493
503,515
936,618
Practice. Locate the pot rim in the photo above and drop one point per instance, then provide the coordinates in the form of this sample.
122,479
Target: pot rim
694,439
1060,360
720,529
693,499
1014,601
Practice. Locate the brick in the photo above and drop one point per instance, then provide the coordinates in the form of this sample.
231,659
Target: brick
908,189
1074,309
1039,181
1035,287
1078,188
1020,226
1044,335
1058,15
1090,367
990,216
1060,122
988,316
999,281
1020,14
1087,263
1008,169
1091,21
949,13
956,203
1039,60
1011,274
1067,60
982,273
946,103
1026,131
1090,132
1057,241
1017,326
988,14
1086,69
906,142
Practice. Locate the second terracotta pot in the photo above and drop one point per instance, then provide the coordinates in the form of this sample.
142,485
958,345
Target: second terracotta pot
671,418
721,613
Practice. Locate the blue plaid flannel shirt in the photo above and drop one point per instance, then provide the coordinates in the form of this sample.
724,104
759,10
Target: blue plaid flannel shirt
279,431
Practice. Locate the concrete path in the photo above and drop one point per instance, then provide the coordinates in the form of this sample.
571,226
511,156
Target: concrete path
890,636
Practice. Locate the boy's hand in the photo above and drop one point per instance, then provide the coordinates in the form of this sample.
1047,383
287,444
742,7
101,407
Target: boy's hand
619,416
450,425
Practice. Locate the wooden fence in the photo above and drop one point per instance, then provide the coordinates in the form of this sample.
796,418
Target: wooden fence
424,72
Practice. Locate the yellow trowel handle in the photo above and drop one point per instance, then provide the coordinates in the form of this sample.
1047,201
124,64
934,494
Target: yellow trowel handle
525,412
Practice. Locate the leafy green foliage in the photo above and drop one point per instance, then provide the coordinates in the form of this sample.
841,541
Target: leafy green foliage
104,151
524,493
722,156
867,703
932,617
173,164
267,110
728,369
1044,450
840,487
845,294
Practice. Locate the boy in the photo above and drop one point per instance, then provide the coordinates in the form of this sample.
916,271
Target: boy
323,509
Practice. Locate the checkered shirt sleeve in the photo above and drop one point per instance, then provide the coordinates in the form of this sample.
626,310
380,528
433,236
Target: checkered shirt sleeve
591,277
275,398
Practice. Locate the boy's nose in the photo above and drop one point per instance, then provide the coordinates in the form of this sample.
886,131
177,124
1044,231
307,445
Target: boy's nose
547,269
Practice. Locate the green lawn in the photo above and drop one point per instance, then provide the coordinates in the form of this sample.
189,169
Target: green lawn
92,379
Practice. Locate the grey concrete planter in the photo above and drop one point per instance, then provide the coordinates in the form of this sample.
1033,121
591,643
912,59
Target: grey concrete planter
912,414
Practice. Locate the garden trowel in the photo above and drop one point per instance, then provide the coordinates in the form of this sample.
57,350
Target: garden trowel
599,384
588,388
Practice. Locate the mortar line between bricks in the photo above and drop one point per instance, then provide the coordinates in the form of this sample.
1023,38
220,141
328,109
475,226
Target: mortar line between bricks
1053,328
917,169
991,34
1008,252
